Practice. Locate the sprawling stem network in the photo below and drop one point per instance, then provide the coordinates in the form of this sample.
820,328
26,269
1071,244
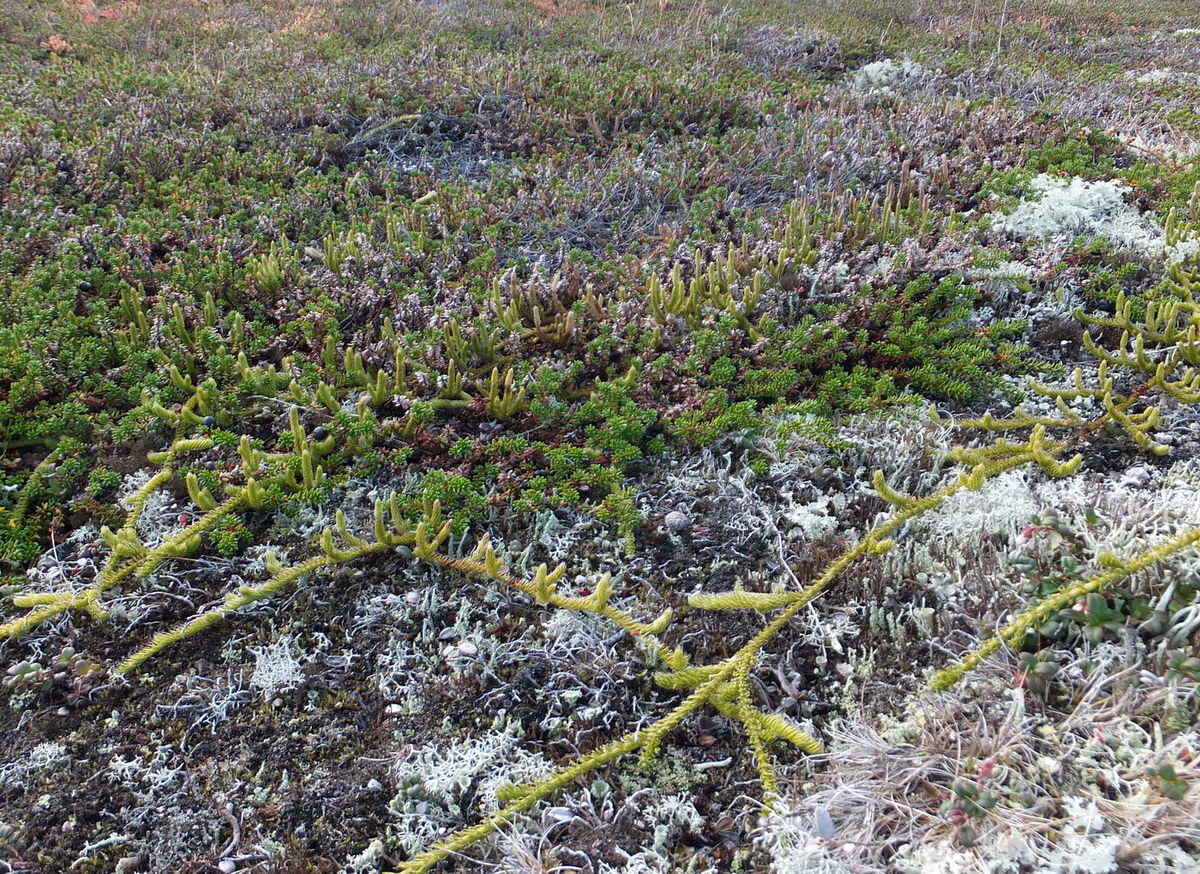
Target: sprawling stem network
1156,356
1163,348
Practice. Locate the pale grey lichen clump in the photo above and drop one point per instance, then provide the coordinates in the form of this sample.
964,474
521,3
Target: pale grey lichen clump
888,74
41,758
661,818
439,785
964,549
667,817
370,860
276,667
1060,208
1078,207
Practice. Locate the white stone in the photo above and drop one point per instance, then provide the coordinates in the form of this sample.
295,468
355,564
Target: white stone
676,521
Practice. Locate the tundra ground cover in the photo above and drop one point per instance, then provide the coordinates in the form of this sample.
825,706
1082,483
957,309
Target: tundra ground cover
302,302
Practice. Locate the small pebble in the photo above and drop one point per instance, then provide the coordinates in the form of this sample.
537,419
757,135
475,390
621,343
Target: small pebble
447,634
468,649
227,866
393,709
676,521
824,823
374,785
412,598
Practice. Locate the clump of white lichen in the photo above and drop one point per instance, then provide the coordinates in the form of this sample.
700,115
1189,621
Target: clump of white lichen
1060,208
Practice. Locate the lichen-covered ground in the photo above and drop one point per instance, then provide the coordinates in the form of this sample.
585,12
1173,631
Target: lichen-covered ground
648,289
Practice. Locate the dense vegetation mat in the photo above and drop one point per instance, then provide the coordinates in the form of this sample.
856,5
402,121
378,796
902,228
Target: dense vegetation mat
614,437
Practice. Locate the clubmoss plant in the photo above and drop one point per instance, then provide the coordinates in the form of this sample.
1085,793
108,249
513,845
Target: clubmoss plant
1163,351
1013,634
292,473
391,530
536,294
1172,327
123,545
1162,348
725,685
